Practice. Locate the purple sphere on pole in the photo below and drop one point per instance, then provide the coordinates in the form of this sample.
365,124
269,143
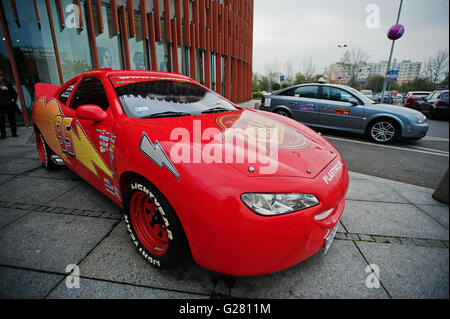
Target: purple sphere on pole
339,77
396,32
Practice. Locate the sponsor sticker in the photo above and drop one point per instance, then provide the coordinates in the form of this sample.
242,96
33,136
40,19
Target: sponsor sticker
342,111
307,107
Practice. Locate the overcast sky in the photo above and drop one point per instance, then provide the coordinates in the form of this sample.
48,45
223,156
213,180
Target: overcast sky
301,29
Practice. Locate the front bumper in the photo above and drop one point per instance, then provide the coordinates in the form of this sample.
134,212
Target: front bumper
236,241
416,130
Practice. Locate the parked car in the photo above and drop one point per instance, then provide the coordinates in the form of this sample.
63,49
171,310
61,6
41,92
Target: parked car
344,108
413,98
368,93
160,145
435,105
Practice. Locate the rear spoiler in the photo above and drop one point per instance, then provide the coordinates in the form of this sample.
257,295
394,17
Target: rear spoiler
44,89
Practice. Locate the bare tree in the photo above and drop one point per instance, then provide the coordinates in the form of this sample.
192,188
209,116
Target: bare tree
308,69
272,70
289,70
436,67
353,61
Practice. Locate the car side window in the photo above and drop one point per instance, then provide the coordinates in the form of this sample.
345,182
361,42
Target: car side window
336,94
310,92
64,96
90,91
444,96
289,92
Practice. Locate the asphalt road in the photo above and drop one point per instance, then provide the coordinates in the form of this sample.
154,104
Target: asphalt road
421,163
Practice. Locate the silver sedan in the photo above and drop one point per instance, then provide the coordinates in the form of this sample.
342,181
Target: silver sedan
343,108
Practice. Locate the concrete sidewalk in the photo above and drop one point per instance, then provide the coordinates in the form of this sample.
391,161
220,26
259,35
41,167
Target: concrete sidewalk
49,220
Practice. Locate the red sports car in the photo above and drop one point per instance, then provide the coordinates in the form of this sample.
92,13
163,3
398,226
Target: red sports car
245,192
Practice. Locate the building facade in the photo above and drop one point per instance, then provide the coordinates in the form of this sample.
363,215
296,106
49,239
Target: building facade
51,41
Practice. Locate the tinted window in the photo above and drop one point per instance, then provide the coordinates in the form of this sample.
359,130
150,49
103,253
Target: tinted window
66,93
444,96
311,92
144,99
288,92
90,91
335,94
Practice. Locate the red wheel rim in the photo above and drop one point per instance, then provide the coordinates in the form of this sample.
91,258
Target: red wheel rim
41,148
148,223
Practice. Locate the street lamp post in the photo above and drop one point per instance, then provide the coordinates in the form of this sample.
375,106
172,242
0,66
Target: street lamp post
395,33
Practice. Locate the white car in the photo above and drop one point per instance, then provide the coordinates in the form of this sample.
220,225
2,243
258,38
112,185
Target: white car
367,93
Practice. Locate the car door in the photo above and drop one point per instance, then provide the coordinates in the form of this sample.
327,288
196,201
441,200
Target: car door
340,109
93,140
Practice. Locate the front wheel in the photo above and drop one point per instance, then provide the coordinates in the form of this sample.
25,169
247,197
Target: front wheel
153,226
383,131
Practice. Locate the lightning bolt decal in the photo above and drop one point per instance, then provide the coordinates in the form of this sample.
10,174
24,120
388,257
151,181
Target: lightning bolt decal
86,153
157,154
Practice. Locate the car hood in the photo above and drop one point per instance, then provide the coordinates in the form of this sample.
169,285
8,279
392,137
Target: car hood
395,109
256,143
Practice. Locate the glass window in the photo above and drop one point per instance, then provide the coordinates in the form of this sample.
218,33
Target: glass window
5,64
311,92
33,48
108,45
151,98
213,71
64,96
90,91
162,56
73,43
444,96
183,59
336,94
200,68
138,47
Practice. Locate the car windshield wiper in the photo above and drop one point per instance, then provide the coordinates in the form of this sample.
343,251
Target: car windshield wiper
217,110
166,114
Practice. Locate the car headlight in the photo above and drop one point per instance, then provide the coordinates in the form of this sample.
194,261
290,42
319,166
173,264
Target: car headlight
420,118
278,204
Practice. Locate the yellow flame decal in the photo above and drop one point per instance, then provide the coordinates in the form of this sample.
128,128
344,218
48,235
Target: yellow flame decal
87,154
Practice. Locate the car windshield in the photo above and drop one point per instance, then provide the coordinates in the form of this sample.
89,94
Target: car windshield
168,98
419,95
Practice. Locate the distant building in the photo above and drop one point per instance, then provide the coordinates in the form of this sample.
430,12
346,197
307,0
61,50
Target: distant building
408,70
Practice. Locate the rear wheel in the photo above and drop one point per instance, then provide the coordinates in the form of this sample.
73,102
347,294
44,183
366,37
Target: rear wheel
44,152
282,113
383,131
153,226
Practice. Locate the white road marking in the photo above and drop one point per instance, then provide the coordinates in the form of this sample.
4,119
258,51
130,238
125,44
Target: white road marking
433,152
431,138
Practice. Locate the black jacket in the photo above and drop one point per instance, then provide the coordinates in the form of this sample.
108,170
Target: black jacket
8,98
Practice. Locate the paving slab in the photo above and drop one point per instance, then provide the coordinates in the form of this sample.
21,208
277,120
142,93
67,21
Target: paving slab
410,271
440,213
5,178
85,196
96,289
116,259
338,274
50,242
26,284
15,166
19,151
401,220
363,189
60,172
9,215
31,190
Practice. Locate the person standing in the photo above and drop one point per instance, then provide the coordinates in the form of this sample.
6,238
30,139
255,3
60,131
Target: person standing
8,98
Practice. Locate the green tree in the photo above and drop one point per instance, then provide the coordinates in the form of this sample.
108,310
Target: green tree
300,79
276,86
264,83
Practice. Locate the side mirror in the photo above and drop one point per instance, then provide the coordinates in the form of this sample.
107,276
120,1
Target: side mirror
353,101
91,113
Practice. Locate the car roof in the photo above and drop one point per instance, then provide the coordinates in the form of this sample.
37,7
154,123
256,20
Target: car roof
111,72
